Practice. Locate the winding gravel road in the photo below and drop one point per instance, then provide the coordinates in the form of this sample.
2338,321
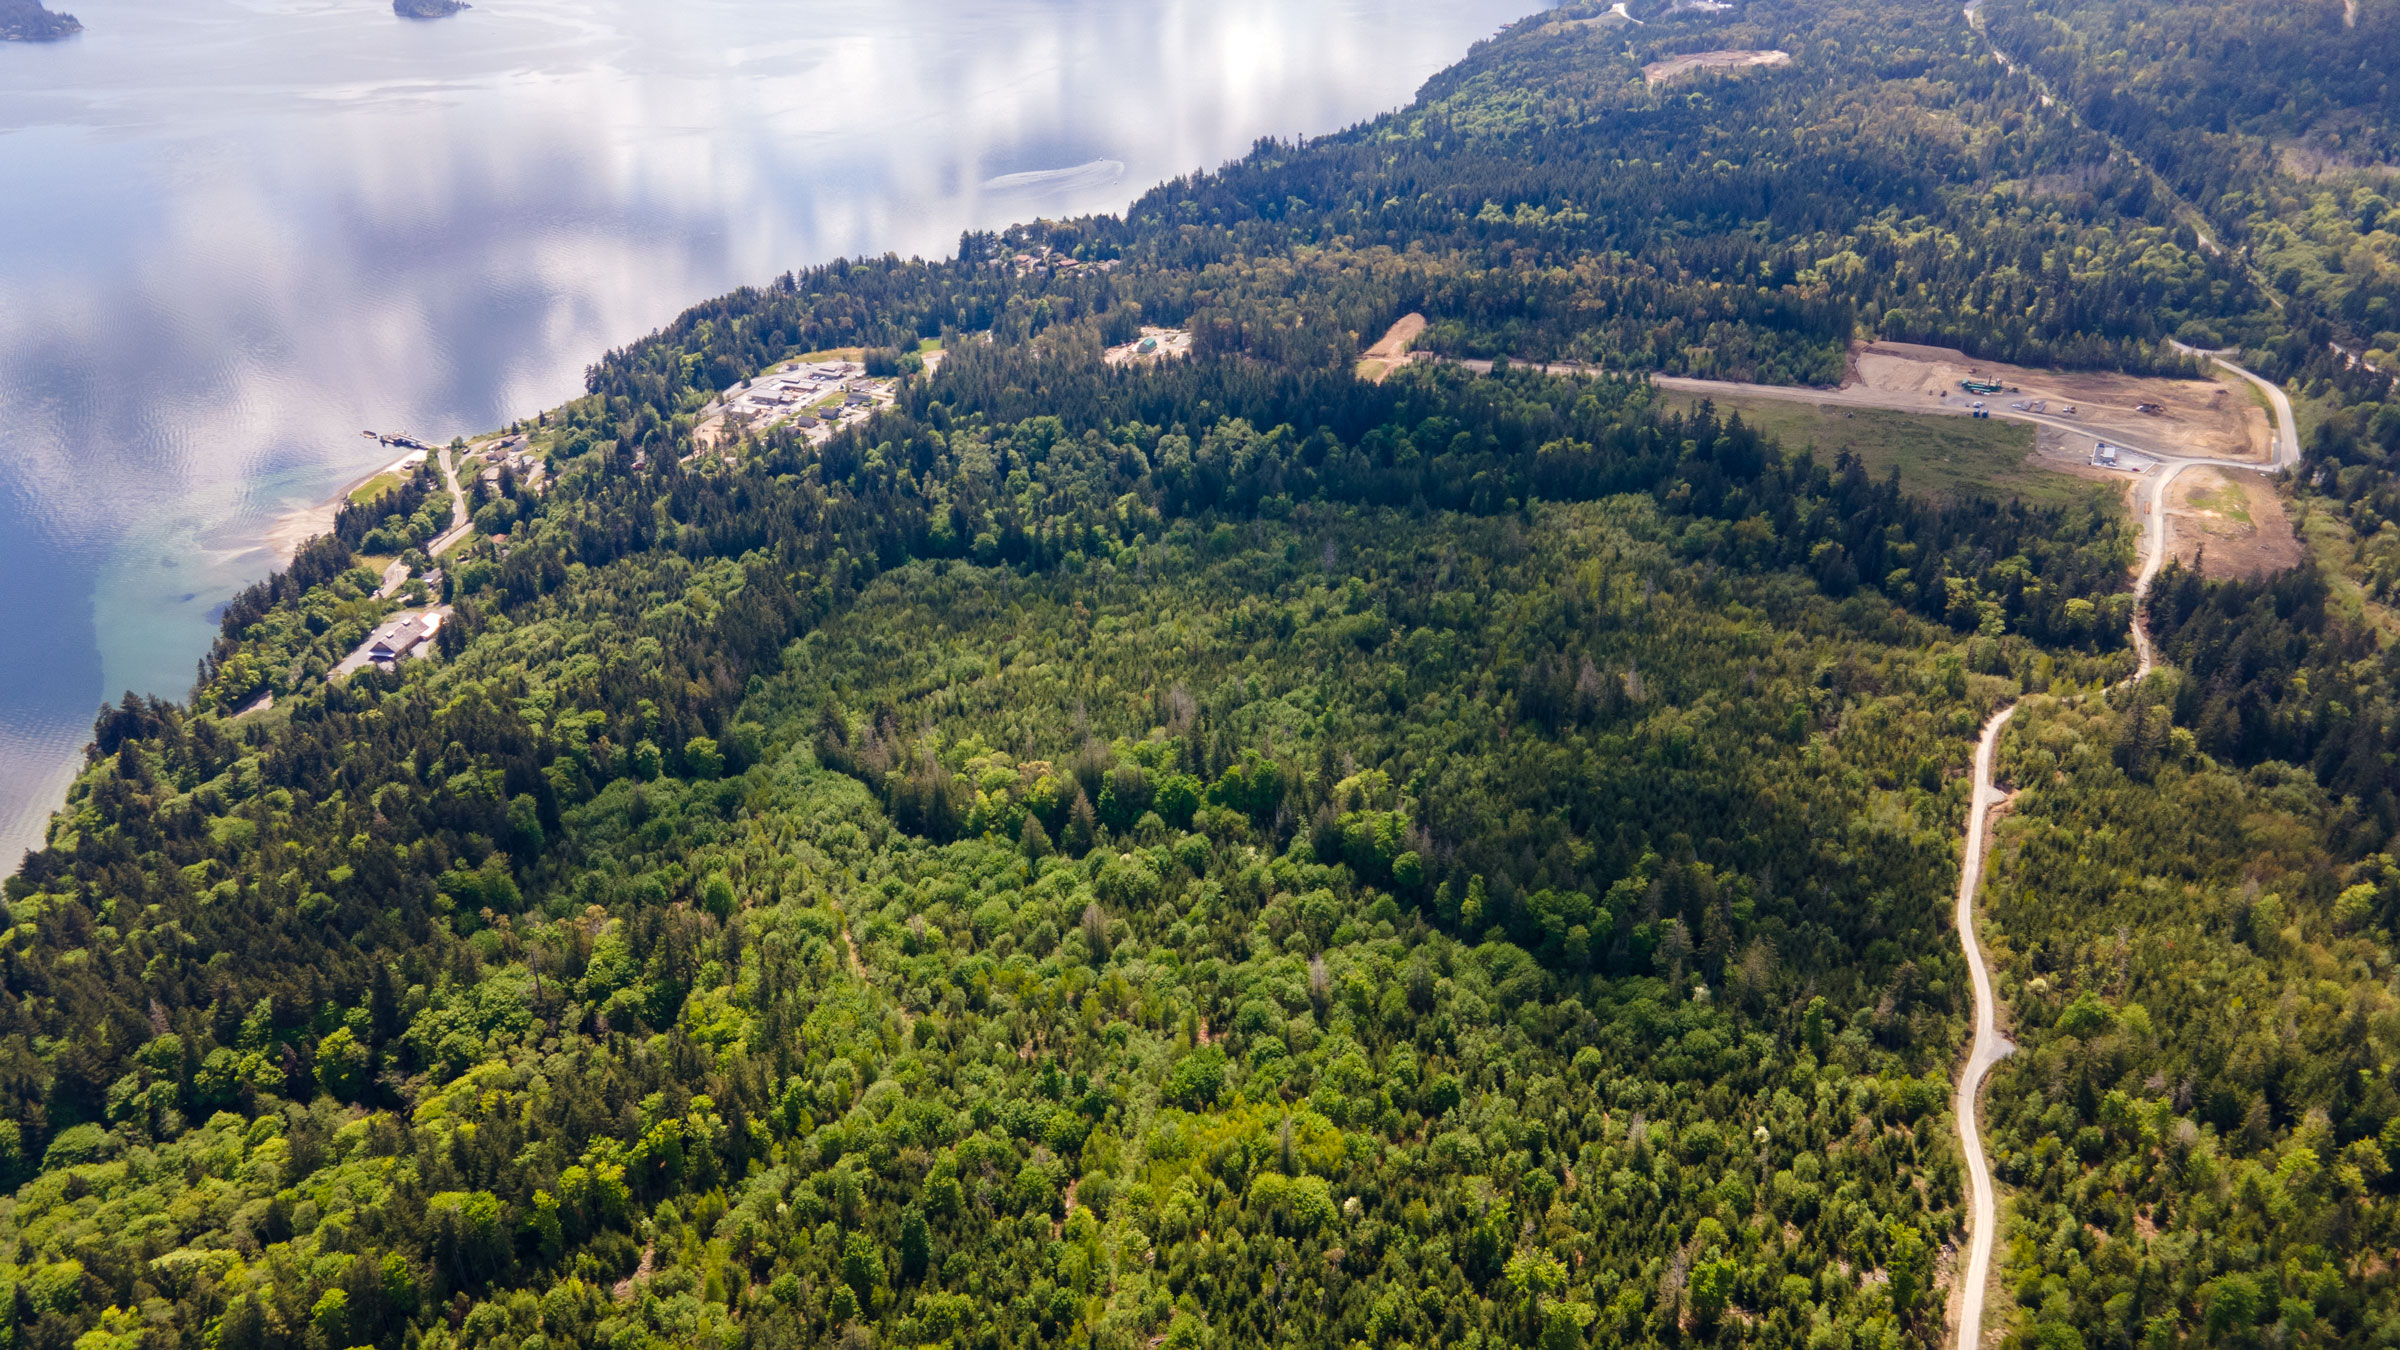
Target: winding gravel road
2150,506
1989,1046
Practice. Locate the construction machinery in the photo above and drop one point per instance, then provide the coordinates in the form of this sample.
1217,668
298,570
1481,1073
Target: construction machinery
1975,386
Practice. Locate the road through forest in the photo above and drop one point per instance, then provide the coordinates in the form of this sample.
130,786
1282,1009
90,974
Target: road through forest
1989,1047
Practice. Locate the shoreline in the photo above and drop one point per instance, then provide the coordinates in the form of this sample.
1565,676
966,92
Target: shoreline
296,525
279,542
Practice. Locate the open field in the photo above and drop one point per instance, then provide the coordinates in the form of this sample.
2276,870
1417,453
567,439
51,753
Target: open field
2229,525
1937,456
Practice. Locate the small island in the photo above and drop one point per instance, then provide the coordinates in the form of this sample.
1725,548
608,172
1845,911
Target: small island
27,21
422,9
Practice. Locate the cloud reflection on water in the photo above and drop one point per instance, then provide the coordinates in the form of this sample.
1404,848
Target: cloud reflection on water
239,233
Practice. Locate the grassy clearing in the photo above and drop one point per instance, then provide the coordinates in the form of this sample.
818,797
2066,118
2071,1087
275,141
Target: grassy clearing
374,487
2228,501
1950,457
829,354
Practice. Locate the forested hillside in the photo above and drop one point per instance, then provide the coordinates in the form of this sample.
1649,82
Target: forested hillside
1162,906
1219,853
2201,1123
2281,124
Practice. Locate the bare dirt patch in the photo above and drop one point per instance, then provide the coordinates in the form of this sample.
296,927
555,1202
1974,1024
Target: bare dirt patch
2193,417
2228,525
1392,350
2061,452
1676,67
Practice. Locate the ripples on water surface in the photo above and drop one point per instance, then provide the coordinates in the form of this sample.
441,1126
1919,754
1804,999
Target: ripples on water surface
234,234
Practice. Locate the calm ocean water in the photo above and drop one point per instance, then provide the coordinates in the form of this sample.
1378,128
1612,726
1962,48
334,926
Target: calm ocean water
236,232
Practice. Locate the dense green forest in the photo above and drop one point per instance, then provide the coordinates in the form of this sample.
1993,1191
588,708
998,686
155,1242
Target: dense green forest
1220,853
1172,908
2282,125
2200,1124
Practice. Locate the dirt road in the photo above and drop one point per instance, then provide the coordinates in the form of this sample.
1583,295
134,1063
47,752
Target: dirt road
1989,1047
461,524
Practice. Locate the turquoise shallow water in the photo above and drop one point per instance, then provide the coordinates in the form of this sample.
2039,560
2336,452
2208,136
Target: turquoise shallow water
236,234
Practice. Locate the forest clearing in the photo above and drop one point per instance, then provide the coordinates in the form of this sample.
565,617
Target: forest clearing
2229,525
2196,417
1675,67
1391,351
1939,457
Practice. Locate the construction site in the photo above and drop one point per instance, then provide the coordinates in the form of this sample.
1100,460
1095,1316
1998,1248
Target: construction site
1155,344
2213,418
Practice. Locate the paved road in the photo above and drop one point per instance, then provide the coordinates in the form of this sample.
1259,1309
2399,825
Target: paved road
2286,450
2287,431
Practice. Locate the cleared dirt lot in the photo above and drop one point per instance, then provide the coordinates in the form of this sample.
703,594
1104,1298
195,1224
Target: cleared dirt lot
1691,63
2197,417
1165,343
2228,524
1379,360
